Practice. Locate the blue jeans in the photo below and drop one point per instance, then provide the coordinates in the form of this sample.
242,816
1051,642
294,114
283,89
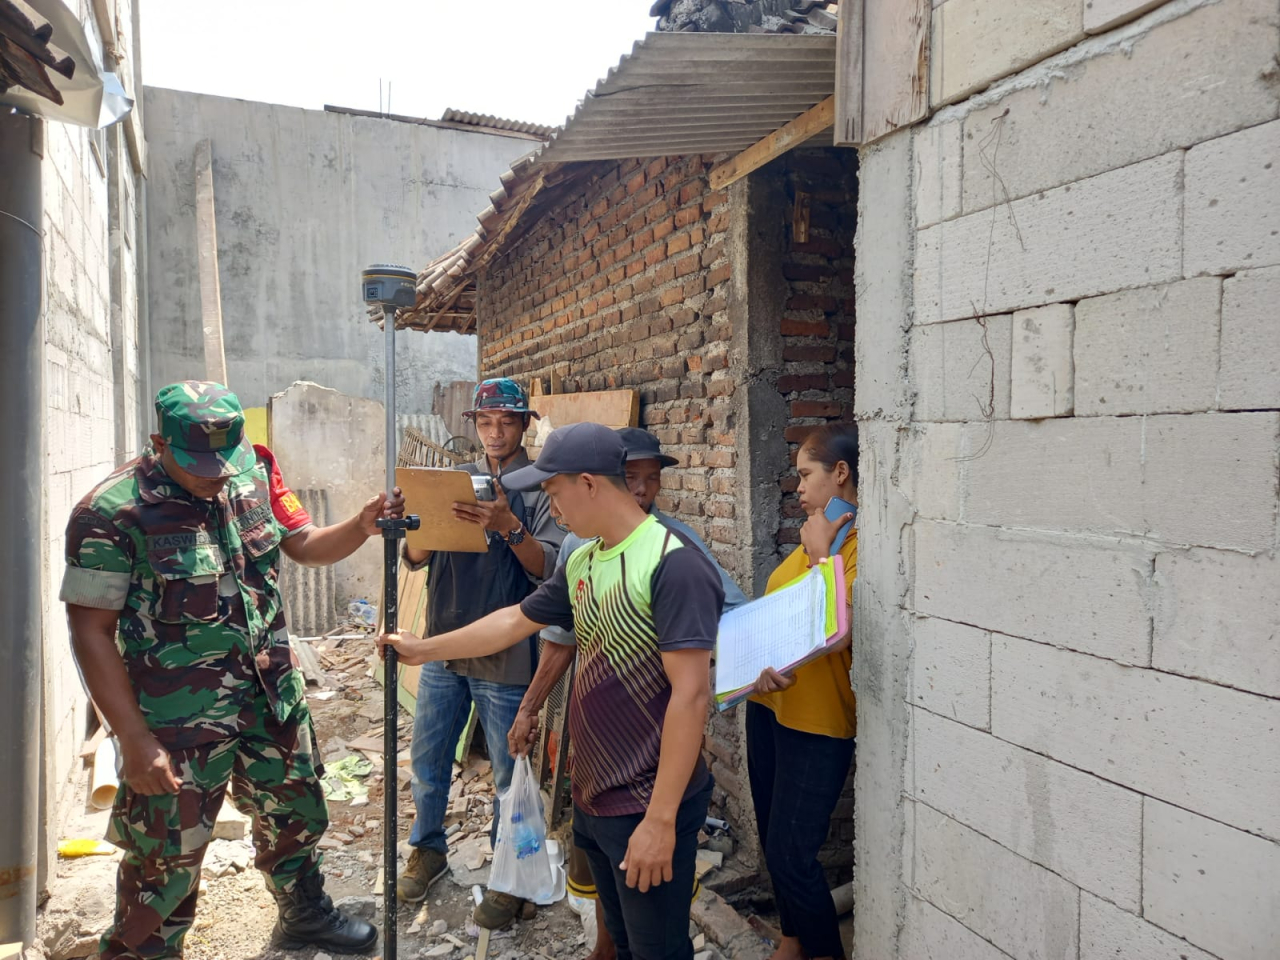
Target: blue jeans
444,703
796,779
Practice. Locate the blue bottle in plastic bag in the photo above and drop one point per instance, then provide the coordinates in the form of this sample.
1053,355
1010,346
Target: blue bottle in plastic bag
524,837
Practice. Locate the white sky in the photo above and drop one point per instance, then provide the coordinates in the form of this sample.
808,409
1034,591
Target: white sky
526,60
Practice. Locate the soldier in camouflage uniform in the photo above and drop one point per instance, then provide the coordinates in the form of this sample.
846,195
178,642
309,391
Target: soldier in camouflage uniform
177,623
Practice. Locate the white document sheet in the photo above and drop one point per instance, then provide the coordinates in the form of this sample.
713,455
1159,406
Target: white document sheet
775,631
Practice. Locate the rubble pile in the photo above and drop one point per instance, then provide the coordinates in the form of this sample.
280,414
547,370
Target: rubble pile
235,915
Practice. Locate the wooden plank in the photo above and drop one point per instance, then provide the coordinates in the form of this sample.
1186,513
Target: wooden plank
106,27
215,358
409,685
849,47
90,746
369,743
411,590
810,123
895,89
134,137
613,408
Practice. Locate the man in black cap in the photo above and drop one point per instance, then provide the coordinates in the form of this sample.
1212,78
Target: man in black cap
645,607
644,466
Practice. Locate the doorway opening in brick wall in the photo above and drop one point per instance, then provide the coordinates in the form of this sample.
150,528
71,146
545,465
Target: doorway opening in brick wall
730,313
793,314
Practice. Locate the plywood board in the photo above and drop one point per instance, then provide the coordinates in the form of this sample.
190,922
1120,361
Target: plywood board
895,76
613,408
431,493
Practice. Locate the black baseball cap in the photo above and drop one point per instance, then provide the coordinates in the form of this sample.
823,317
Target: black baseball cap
577,448
643,445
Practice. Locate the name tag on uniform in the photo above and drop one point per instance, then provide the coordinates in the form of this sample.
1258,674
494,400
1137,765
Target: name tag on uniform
251,518
179,541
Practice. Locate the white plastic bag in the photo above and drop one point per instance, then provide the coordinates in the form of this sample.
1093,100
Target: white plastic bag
363,612
521,866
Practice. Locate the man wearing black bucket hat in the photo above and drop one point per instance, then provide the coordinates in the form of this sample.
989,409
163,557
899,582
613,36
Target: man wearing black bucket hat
461,588
645,607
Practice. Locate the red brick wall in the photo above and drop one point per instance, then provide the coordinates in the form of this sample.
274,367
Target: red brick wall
816,373
626,285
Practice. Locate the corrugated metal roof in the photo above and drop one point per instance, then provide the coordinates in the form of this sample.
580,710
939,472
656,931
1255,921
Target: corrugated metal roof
685,93
487,121
674,94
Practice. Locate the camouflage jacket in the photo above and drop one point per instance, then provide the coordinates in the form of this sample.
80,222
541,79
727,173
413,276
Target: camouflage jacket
201,626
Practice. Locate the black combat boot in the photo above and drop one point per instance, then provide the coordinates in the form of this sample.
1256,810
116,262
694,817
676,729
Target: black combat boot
309,918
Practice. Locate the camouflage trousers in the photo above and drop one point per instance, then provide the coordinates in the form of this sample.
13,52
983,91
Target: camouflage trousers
274,769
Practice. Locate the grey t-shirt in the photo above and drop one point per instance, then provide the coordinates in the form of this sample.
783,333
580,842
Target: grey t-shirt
463,587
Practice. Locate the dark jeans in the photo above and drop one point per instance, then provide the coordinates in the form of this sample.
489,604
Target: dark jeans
796,779
644,926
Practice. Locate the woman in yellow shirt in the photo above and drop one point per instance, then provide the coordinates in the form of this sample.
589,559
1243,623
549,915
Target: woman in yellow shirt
800,728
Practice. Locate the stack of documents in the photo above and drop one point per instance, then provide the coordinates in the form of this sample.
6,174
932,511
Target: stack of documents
782,630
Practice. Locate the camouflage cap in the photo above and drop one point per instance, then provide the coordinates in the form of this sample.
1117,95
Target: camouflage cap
203,423
500,394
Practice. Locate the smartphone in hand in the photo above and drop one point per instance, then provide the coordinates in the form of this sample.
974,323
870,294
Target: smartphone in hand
836,508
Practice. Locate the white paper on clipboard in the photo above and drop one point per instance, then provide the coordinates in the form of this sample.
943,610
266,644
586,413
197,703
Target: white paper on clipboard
776,630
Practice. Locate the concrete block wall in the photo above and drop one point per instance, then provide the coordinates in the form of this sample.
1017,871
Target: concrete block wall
93,382
1067,367
331,450
305,199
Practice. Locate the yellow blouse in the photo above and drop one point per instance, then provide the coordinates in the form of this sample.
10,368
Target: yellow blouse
821,700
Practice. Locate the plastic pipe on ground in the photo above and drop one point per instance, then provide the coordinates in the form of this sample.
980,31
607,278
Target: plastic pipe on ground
105,783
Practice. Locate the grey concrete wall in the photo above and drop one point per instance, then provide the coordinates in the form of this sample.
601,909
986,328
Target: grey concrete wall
305,199
330,449
1068,377
94,381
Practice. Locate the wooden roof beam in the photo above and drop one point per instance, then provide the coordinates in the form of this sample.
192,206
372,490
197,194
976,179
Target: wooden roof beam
809,124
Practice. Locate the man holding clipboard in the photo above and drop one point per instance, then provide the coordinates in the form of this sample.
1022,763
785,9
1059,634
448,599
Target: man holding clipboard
644,606
523,542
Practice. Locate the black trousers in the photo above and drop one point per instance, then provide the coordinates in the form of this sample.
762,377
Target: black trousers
796,779
652,925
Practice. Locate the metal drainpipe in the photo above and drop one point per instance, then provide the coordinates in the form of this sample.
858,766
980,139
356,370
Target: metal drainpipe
21,503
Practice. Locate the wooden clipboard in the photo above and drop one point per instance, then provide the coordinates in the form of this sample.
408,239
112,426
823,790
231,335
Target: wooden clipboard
431,493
